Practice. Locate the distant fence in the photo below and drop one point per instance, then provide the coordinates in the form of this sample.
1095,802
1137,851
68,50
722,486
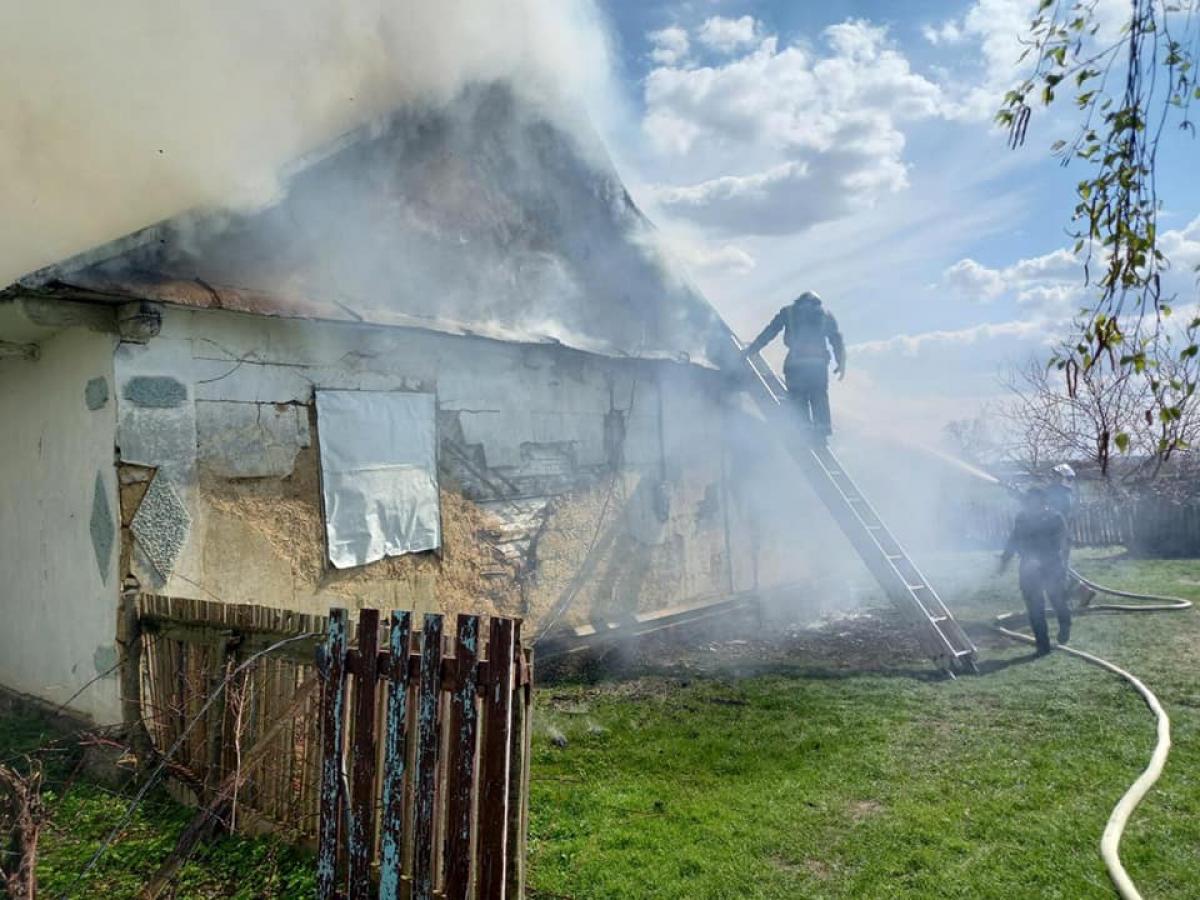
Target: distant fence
428,791
436,748
1150,526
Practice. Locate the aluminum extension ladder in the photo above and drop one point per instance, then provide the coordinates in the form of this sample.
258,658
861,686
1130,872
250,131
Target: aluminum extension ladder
940,634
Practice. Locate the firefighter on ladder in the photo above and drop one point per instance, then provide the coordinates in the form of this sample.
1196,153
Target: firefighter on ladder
809,331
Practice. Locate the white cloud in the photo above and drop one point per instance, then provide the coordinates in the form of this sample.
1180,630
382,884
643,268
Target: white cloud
669,46
1051,282
949,32
968,278
1051,285
787,137
1054,281
1182,248
728,35
1040,330
990,37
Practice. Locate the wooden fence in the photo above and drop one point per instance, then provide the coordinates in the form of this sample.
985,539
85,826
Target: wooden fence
1092,525
202,713
437,751
1149,526
424,760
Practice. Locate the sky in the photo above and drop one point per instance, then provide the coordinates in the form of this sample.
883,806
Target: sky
780,146
849,148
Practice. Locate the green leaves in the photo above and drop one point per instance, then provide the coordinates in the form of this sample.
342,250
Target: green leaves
1124,90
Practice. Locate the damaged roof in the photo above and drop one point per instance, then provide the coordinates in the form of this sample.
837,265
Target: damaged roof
482,217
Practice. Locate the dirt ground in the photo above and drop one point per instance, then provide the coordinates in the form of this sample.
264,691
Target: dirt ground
866,640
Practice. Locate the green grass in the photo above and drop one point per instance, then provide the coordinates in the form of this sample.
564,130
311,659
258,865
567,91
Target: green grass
84,812
786,782
794,776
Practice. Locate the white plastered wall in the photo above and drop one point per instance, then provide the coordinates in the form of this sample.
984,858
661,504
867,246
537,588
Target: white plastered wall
58,596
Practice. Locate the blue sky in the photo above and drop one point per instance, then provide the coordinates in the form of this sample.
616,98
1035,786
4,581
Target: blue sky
848,147
779,145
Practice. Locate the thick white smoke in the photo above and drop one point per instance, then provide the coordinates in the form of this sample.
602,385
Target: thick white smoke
115,114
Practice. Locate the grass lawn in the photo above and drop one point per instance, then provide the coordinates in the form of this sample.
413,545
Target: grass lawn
830,766
769,777
84,812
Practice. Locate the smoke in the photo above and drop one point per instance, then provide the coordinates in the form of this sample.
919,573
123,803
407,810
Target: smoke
117,114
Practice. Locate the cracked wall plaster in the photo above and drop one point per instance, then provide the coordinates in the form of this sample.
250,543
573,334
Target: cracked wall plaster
251,440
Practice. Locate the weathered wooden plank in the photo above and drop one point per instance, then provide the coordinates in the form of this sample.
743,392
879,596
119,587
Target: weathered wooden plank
331,665
442,778
522,849
494,766
361,839
131,645
427,756
208,634
464,719
391,851
518,771
218,738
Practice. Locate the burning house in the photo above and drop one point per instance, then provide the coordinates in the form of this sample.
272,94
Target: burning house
446,370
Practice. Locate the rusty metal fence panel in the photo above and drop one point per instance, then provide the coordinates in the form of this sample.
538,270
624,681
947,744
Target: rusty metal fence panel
424,768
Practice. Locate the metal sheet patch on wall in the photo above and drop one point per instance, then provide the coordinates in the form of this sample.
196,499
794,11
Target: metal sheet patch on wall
379,474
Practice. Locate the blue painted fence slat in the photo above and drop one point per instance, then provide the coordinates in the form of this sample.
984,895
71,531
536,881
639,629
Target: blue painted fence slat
464,730
473,787
494,769
331,664
426,765
395,759
361,839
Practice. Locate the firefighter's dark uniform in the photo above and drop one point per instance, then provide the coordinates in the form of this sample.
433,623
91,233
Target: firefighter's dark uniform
1060,497
809,331
1039,538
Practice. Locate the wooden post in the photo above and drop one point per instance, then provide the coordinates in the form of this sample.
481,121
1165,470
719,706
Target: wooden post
395,757
518,791
331,664
129,641
362,788
464,718
497,725
427,756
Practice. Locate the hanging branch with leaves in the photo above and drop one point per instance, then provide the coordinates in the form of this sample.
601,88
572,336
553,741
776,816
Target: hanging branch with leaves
1127,86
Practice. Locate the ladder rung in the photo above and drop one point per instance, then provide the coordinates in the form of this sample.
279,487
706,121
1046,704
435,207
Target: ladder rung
964,652
939,618
917,587
894,556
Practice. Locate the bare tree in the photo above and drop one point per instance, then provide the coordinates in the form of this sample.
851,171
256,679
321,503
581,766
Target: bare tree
1106,411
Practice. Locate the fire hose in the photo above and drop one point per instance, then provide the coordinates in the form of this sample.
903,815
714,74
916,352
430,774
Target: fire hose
1110,841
